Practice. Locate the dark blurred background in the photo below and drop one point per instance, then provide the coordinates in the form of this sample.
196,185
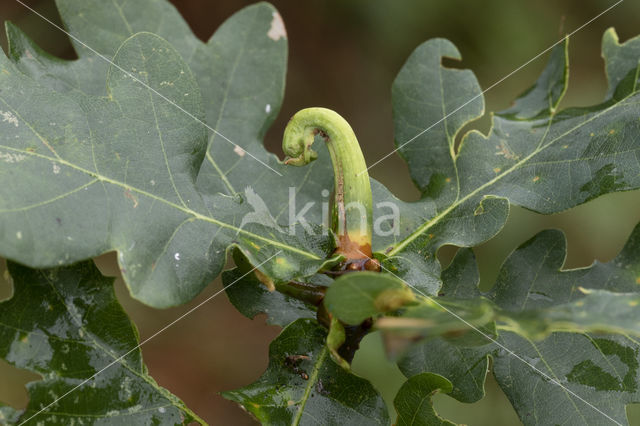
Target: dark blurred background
344,55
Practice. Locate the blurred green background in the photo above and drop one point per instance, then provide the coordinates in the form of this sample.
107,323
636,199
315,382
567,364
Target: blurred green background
344,55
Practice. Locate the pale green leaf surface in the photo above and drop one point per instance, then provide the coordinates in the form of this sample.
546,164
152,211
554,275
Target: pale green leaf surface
600,368
138,172
353,298
67,325
621,64
465,367
85,75
535,156
423,93
103,25
303,386
413,401
241,73
119,173
534,297
545,95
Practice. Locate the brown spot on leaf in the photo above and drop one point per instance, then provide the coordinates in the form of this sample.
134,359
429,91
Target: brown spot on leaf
129,195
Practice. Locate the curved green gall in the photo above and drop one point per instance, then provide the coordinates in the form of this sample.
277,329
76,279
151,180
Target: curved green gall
352,212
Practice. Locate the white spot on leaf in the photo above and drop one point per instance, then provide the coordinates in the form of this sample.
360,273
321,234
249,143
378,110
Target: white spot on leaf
56,169
267,108
9,118
238,150
277,31
135,408
176,256
9,157
162,410
19,235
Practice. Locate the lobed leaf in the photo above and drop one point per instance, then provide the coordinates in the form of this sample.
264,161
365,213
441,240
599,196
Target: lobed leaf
601,369
67,325
581,375
91,167
355,297
413,401
123,172
536,156
465,367
302,385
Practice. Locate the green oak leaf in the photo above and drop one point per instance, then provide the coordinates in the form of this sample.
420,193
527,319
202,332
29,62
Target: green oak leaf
599,368
599,311
67,325
303,386
535,156
465,367
621,64
120,172
240,71
353,298
413,401
252,297
118,168
282,304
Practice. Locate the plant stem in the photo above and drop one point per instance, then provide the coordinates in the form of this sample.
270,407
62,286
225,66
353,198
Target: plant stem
352,203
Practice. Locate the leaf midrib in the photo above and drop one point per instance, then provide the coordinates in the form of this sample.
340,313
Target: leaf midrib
313,378
185,210
427,225
553,374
